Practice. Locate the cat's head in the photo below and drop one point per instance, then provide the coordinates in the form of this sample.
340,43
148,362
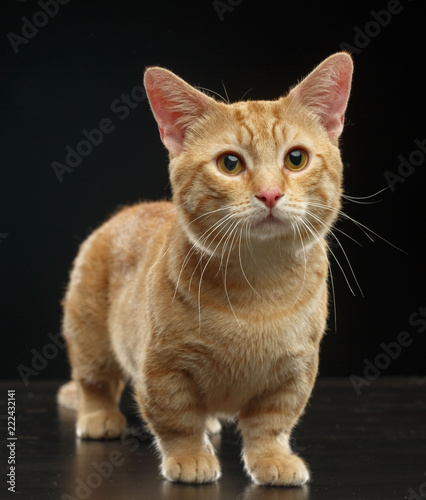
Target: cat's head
264,170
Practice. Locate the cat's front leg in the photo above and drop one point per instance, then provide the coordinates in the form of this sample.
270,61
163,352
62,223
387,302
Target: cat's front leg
174,413
188,459
266,423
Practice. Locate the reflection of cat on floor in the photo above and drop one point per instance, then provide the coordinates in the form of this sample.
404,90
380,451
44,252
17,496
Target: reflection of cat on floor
213,305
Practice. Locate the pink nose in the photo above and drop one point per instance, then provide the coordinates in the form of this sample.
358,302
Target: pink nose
269,196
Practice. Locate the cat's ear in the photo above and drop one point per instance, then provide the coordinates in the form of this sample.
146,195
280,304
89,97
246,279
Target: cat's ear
326,92
175,104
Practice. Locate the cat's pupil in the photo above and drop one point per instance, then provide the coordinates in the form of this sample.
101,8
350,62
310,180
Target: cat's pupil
230,162
295,157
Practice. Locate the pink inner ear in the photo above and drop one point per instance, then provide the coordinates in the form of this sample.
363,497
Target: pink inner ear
167,120
326,91
335,116
175,104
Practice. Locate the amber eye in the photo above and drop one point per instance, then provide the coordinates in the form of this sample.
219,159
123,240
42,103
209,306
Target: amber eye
296,159
230,164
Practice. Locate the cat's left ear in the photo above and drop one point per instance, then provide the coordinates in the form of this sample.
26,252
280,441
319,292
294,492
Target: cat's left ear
326,92
175,104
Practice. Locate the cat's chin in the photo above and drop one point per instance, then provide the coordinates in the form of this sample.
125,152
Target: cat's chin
271,227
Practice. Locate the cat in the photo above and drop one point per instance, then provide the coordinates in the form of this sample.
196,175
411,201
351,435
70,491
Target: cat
213,305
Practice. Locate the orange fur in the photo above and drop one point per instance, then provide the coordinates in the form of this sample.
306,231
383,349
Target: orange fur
213,305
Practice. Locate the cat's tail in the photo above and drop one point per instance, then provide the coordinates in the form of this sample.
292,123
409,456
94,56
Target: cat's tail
67,395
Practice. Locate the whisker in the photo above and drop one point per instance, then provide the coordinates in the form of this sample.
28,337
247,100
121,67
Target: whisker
333,293
350,265
365,197
175,208
205,215
341,247
213,92
293,225
245,93
167,212
314,233
226,93
241,263
202,274
205,235
225,246
361,226
303,222
336,259
226,271
248,238
345,234
361,202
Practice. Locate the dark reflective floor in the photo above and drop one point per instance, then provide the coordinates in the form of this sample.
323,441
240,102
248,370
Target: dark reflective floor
371,446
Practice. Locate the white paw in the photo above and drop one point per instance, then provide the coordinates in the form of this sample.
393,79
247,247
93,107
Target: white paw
101,424
213,426
278,470
193,468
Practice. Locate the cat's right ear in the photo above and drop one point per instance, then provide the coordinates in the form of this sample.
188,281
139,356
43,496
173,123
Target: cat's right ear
175,104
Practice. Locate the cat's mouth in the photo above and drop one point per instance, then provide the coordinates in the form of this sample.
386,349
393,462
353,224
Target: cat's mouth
276,223
271,223
271,219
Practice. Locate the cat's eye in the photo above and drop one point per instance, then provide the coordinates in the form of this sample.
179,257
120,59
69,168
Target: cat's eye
230,163
296,159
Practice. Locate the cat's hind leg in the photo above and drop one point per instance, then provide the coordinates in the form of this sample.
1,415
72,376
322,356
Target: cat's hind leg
97,404
99,416
96,387
98,378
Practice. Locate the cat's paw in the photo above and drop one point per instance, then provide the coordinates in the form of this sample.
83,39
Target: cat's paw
278,470
213,426
193,468
101,424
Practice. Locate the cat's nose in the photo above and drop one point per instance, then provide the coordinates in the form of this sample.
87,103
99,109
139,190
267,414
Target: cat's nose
269,196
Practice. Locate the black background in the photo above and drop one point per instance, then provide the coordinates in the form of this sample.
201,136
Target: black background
67,77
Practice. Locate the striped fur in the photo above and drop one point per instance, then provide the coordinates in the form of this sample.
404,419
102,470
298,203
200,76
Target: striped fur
213,305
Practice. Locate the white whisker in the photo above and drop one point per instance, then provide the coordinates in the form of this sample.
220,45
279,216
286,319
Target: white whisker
202,274
241,263
341,247
361,226
204,237
312,232
226,271
248,239
207,234
335,258
294,225
226,92
354,198
213,92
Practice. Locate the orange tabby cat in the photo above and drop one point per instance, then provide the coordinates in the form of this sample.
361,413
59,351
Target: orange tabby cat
213,305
